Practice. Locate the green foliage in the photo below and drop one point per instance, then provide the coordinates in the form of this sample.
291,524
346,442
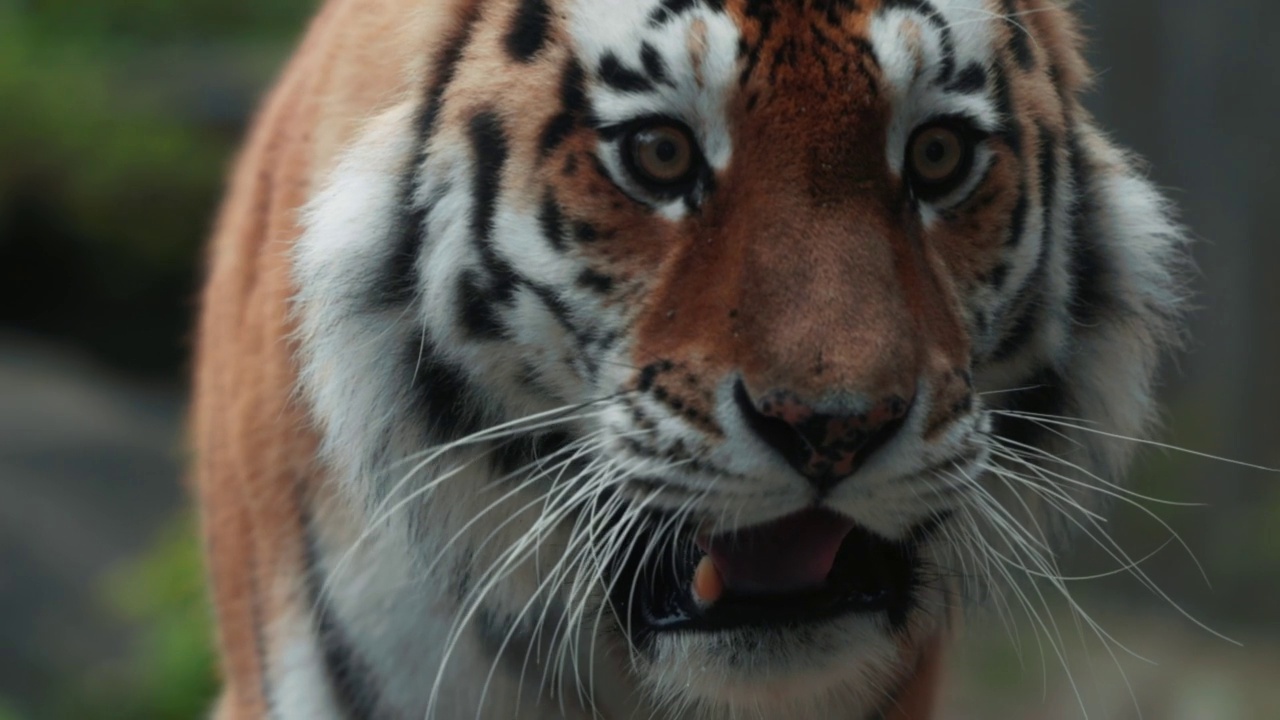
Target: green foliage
168,672
167,20
109,161
6,713
120,118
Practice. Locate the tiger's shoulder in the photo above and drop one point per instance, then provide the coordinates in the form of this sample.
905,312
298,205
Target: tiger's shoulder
256,449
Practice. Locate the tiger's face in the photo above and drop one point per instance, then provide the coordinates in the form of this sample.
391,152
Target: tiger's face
766,275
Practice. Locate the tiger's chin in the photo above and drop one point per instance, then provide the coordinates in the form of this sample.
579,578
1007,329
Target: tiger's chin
848,667
805,612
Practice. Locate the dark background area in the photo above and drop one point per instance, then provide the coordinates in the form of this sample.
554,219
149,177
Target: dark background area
118,119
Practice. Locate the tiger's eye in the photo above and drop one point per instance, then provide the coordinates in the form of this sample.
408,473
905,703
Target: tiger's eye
662,154
938,155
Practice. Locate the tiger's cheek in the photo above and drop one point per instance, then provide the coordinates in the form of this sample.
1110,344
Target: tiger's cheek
609,248
601,227
972,241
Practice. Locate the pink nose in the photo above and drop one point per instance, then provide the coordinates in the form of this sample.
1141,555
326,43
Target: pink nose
824,447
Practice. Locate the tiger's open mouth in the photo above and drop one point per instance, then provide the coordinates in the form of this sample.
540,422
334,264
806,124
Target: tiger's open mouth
805,568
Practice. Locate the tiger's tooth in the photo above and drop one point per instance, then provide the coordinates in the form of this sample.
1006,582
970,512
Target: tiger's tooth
708,586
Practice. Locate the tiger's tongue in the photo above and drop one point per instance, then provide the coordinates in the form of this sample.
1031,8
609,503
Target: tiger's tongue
789,555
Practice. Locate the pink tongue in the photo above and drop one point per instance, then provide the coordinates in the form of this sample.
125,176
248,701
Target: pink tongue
792,554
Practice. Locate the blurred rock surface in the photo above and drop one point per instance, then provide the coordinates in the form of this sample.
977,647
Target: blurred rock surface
90,467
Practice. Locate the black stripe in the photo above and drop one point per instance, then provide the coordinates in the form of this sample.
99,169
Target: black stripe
998,275
867,53
972,79
620,77
573,102
573,89
653,64
1048,161
570,165
837,10
585,232
1018,218
441,391
551,220
500,637
1090,269
922,534
1019,42
446,69
525,450
350,677
489,146
1030,308
400,283
1011,130
1028,305
900,612
563,314
558,129
1045,394
650,373
594,281
560,310
529,30
669,10
764,13
784,56
478,308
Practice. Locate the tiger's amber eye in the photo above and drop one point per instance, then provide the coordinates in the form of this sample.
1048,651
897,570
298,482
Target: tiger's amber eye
938,155
662,154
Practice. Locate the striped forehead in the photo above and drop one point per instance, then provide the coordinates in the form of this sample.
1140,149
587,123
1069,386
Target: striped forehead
660,57
683,58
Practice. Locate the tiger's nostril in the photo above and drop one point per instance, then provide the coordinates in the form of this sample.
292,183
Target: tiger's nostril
826,448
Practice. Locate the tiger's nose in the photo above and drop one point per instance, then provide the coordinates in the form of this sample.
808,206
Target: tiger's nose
826,448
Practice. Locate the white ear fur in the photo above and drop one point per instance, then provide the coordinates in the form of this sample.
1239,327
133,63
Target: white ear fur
1116,362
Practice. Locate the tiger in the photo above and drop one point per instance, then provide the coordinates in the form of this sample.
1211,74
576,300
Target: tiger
663,358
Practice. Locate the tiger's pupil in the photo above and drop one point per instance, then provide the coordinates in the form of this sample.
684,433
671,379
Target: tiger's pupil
936,152
666,151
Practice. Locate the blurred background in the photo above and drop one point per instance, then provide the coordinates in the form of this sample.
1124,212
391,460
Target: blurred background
118,119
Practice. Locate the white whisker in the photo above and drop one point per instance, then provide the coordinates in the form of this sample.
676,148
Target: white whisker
1139,441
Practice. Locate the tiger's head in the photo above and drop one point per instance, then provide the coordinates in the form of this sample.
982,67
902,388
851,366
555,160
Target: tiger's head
739,341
